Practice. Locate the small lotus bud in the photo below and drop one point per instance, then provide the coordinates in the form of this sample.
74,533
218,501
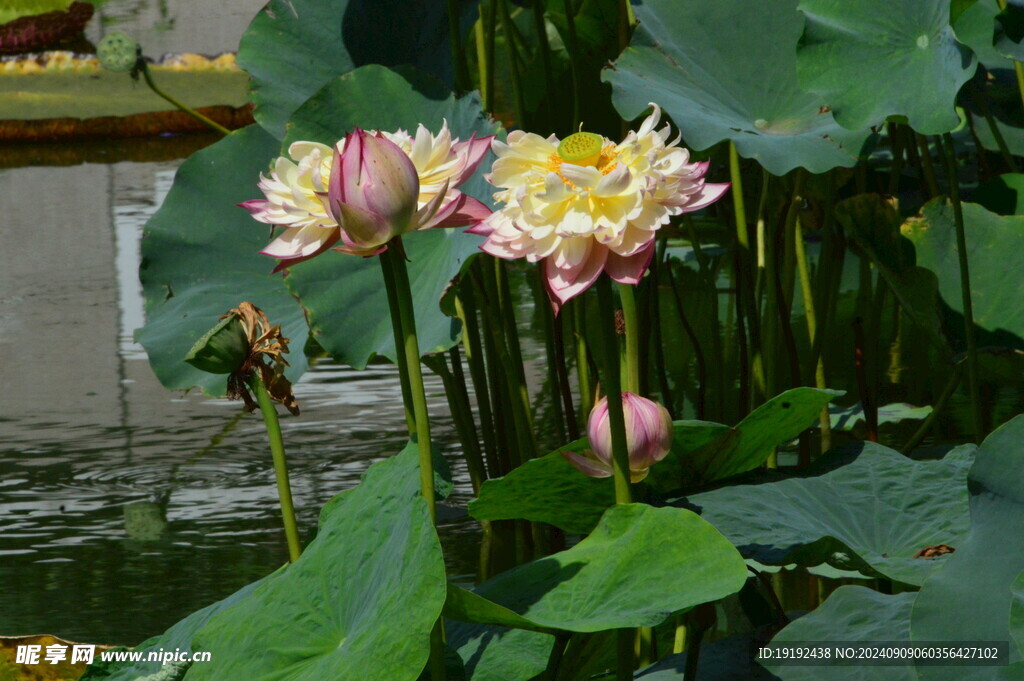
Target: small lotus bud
648,437
223,349
118,52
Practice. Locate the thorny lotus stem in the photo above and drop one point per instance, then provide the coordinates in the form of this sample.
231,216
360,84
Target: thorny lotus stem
570,32
965,287
629,314
611,381
462,83
927,164
410,346
940,404
582,358
997,135
513,58
284,490
396,326
213,125
812,329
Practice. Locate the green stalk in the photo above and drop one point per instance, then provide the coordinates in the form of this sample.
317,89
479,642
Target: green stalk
548,323
511,329
940,404
480,38
462,81
396,327
582,359
965,287
1004,150
574,53
212,124
544,46
491,27
927,164
513,58
396,255
473,351
284,490
410,346
611,380
812,331
629,314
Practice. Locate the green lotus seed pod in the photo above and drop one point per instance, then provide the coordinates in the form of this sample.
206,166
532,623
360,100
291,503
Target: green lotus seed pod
223,349
118,52
581,148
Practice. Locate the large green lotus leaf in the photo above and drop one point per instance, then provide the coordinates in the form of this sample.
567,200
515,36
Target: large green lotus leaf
343,295
363,596
970,598
726,69
851,615
877,58
871,514
638,566
549,489
1003,194
493,653
178,636
995,247
294,47
200,258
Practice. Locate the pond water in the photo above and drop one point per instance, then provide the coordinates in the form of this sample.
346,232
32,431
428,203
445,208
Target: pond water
123,506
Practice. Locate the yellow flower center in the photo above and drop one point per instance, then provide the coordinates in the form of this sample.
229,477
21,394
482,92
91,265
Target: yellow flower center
583,149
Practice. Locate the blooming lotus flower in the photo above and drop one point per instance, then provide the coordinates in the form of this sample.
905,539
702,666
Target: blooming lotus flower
371,187
648,438
586,205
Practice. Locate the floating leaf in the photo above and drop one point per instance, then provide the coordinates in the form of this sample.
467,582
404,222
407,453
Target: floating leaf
995,246
970,598
295,47
715,91
343,295
363,596
892,508
860,56
200,258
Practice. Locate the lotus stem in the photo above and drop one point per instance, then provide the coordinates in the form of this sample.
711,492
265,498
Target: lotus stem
400,359
582,358
544,47
993,126
473,352
927,164
458,54
410,346
513,58
611,381
810,314
940,404
629,314
698,350
965,287
574,54
284,490
212,124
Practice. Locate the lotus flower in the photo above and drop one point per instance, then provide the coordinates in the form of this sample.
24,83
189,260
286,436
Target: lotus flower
648,438
585,205
371,187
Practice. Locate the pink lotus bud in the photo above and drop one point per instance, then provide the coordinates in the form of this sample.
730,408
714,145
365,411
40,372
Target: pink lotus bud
373,191
648,437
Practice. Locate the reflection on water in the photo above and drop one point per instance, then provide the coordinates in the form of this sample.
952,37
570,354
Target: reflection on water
96,455
123,507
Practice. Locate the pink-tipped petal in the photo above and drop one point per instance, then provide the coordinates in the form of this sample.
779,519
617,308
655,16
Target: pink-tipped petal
286,261
565,289
463,210
474,149
590,467
708,194
629,269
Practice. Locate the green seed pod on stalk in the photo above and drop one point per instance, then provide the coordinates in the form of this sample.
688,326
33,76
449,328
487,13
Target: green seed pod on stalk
223,349
118,52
